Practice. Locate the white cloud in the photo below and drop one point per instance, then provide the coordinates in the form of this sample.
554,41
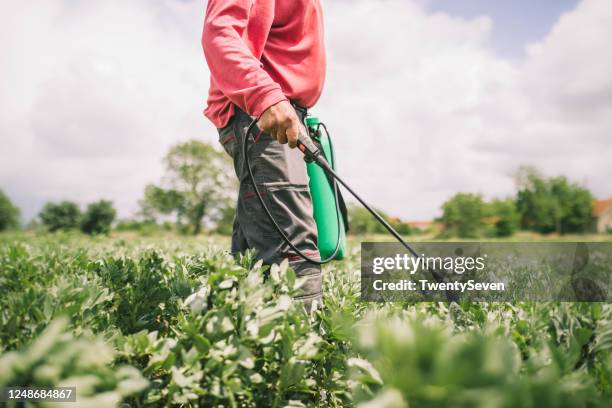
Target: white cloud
93,94
421,108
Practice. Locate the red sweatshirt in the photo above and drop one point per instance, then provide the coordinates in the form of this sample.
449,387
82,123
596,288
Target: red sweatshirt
261,52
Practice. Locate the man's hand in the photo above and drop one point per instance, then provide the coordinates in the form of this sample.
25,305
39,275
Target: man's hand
281,122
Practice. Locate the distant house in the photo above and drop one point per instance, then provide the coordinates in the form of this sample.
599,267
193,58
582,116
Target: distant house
602,215
424,226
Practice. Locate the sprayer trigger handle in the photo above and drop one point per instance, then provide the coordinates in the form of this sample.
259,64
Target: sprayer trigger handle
307,156
311,151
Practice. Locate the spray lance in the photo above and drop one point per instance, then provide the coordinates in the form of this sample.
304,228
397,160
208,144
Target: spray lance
318,158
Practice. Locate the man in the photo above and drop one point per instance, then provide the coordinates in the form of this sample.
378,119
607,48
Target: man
267,60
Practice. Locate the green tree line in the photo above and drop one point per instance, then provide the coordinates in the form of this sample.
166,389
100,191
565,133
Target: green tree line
197,191
66,215
542,204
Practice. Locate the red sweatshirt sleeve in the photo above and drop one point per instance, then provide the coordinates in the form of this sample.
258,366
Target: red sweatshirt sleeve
234,64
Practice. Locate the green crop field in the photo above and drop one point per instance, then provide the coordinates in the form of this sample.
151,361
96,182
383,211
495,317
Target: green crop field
175,321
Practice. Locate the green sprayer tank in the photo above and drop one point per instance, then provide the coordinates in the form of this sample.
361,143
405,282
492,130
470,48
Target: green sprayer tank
324,202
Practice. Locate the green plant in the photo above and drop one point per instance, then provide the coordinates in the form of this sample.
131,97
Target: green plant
205,329
57,359
422,363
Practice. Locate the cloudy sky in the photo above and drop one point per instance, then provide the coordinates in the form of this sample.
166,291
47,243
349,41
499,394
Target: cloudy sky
425,98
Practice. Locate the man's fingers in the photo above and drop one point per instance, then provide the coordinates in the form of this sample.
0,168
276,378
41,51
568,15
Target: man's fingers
292,133
265,127
281,122
281,135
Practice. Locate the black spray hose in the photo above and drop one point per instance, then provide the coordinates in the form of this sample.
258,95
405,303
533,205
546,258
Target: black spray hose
313,153
269,214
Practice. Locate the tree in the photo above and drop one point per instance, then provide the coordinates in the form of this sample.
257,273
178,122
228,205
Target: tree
507,217
98,217
463,214
538,209
225,223
9,214
362,222
60,216
552,204
161,201
575,203
197,185
401,227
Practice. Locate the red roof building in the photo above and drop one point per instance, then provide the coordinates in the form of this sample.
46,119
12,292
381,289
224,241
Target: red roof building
602,212
423,226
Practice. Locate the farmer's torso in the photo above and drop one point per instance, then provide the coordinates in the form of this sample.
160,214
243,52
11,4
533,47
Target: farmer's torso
287,37
294,53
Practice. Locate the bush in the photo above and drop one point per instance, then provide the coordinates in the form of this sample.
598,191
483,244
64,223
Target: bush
147,227
552,204
462,215
60,216
98,217
401,227
362,222
9,214
507,218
